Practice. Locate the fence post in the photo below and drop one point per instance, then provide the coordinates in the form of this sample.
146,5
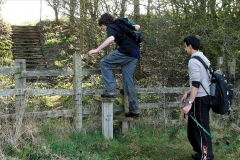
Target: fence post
125,110
231,70
77,87
220,62
20,84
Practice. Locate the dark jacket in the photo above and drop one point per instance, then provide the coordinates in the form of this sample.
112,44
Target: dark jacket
126,45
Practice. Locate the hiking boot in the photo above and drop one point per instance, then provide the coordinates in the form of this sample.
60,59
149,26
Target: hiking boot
111,94
131,114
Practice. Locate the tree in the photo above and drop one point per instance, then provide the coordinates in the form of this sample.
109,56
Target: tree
123,8
82,23
72,10
56,5
136,19
1,2
92,9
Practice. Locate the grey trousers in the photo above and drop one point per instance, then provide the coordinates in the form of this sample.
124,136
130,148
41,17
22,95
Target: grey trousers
128,66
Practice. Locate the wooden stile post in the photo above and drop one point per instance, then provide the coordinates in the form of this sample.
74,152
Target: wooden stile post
107,117
20,105
220,62
231,70
125,109
77,86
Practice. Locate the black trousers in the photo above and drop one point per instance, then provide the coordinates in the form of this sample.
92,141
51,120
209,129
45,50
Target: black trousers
200,141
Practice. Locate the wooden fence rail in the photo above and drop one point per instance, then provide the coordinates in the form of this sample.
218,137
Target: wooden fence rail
20,91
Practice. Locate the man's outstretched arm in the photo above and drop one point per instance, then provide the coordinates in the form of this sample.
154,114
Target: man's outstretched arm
103,45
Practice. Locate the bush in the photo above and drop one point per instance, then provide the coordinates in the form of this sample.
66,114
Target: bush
5,42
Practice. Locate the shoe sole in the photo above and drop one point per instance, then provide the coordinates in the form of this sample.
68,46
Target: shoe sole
134,116
113,96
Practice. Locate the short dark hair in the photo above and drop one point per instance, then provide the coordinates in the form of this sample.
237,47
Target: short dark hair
106,19
192,40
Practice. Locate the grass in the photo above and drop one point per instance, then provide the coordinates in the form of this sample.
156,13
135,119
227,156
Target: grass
57,139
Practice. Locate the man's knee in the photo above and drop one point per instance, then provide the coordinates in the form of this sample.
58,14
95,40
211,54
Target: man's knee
102,62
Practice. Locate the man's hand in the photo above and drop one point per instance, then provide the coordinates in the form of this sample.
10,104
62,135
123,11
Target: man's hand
137,27
92,52
184,97
187,108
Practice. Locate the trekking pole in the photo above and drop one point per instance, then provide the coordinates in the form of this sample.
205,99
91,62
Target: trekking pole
201,127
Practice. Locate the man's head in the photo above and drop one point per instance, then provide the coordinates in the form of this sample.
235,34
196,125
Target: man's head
192,42
106,19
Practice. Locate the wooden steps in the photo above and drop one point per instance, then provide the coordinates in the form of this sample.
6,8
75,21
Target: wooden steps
26,45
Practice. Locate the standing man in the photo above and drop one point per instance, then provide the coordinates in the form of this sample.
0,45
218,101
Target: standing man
198,103
126,56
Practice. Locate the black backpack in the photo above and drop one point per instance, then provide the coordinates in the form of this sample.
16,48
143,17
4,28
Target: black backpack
221,93
126,25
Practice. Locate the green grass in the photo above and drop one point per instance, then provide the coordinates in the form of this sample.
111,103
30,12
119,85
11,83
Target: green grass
59,140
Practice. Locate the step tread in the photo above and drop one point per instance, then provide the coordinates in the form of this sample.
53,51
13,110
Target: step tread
29,57
27,43
27,47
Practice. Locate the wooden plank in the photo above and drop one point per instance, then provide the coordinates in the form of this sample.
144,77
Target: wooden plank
52,113
45,73
63,72
163,90
159,105
49,92
98,71
44,114
69,113
11,92
87,111
143,90
93,91
10,70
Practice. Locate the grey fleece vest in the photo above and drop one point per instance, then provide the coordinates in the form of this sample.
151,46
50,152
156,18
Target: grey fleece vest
197,72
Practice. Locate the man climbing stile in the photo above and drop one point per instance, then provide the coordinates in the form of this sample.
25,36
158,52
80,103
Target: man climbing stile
126,57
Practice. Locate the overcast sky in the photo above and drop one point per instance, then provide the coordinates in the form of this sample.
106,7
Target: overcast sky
23,11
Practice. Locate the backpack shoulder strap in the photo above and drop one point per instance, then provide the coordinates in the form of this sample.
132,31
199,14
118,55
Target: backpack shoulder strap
204,64
125,21
200,59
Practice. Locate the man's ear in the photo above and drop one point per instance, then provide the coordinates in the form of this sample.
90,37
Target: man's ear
190,46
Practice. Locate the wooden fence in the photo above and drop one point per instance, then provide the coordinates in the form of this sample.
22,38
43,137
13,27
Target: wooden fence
20,91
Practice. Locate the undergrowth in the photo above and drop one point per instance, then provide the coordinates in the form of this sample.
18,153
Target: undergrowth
57,139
